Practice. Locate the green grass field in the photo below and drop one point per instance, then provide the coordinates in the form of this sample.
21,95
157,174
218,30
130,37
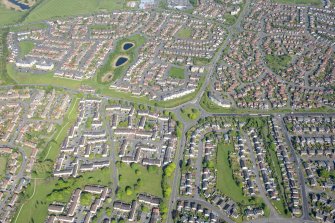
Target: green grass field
47,78
201,61
230,19
25,47
150,182
35,209
177,73
225,182
8,16
52,149
300,2
279,205
4,77
278,63
62,8
3,164
190,113
184,33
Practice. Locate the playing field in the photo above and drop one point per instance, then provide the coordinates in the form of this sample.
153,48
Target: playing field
61,8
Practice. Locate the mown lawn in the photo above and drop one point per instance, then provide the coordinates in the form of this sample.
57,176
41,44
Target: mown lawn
225,182
300,2
177,73
47,78
150,182
190,113
25,47
184,33
3,164
61,8
278,63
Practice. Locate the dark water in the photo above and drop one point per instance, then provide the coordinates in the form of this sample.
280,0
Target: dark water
127,46
21,5
121,61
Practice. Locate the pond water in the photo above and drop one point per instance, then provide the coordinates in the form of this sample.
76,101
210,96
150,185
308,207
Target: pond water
21,5
120,61
127,46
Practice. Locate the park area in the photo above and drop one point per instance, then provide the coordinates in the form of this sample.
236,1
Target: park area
184,33
135,179
225,182
40,193
177,73
190,113
110,72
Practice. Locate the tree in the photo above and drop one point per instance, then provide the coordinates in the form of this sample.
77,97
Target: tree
168,171
108,211
139,182
129,191
167,192
134,166
152,169
324,173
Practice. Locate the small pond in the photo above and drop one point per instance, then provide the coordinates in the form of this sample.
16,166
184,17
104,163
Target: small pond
127,46
20,4
120,61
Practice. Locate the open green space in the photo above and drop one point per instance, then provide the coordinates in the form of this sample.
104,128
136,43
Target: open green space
86,199
278,63
4,77
44,165
44,79
201,61
229,19
28,27
38,197
8,16
225,182
190,113
136,179
300,2
61,8
52,149
280,205
3,164
184,33
109,72
25,47
177,73
261,124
